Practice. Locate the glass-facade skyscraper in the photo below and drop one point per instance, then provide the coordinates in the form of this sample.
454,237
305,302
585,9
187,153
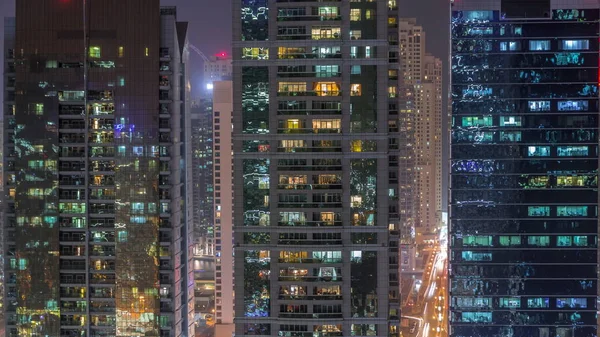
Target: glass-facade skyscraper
96,178
315,138
524,168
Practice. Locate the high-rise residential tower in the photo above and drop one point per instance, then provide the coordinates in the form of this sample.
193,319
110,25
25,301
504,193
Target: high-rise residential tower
97,209
422,87
524,168
315,138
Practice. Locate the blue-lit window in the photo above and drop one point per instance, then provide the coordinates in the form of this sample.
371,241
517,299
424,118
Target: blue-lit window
510,136
538,151
509,240
537,45
572,151
476,256
538,211
538,240
571,303
538,302
473,302
564,241
575,44
477,240
539,105
477,121
571,211
509,302
510,120
580,240
481,31
510,46
476,317
355,70
476,15
573,106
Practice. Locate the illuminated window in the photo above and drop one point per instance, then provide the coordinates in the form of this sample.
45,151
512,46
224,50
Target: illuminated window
146,52
392,21
538,240
326,88
392,92
539,105
573,105
321,33
367,52
51,64
95,52
355,70
509,240
355,14
355,89
575,44
477,240
571,303
329,12
353,51
538,45
538,302
510,46
477,121
570,181
580,240
293,88
291,145
369,14
120,51
510,302
476,256
510,121
327,71
292,124
328,218
572,151
538,211
356,201
363,145
571,211
256,53
564,241
538,151
326,125
289,52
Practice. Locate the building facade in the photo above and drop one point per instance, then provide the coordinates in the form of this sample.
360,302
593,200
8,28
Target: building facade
422,83
223,207
316,146
524,168
203,192
96,184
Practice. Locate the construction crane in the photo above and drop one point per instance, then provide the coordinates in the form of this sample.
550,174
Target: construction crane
201,54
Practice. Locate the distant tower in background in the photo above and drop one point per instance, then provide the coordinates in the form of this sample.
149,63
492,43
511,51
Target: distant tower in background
422,84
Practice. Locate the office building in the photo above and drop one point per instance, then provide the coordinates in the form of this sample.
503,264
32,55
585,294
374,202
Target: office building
97,206
218,68
203,191
422,81
524,168
223,207
315,138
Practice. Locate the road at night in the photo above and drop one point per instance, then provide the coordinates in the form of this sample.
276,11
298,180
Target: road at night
432,321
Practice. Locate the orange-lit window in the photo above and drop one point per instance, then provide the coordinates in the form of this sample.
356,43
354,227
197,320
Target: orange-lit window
326,88
121,51
355,89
